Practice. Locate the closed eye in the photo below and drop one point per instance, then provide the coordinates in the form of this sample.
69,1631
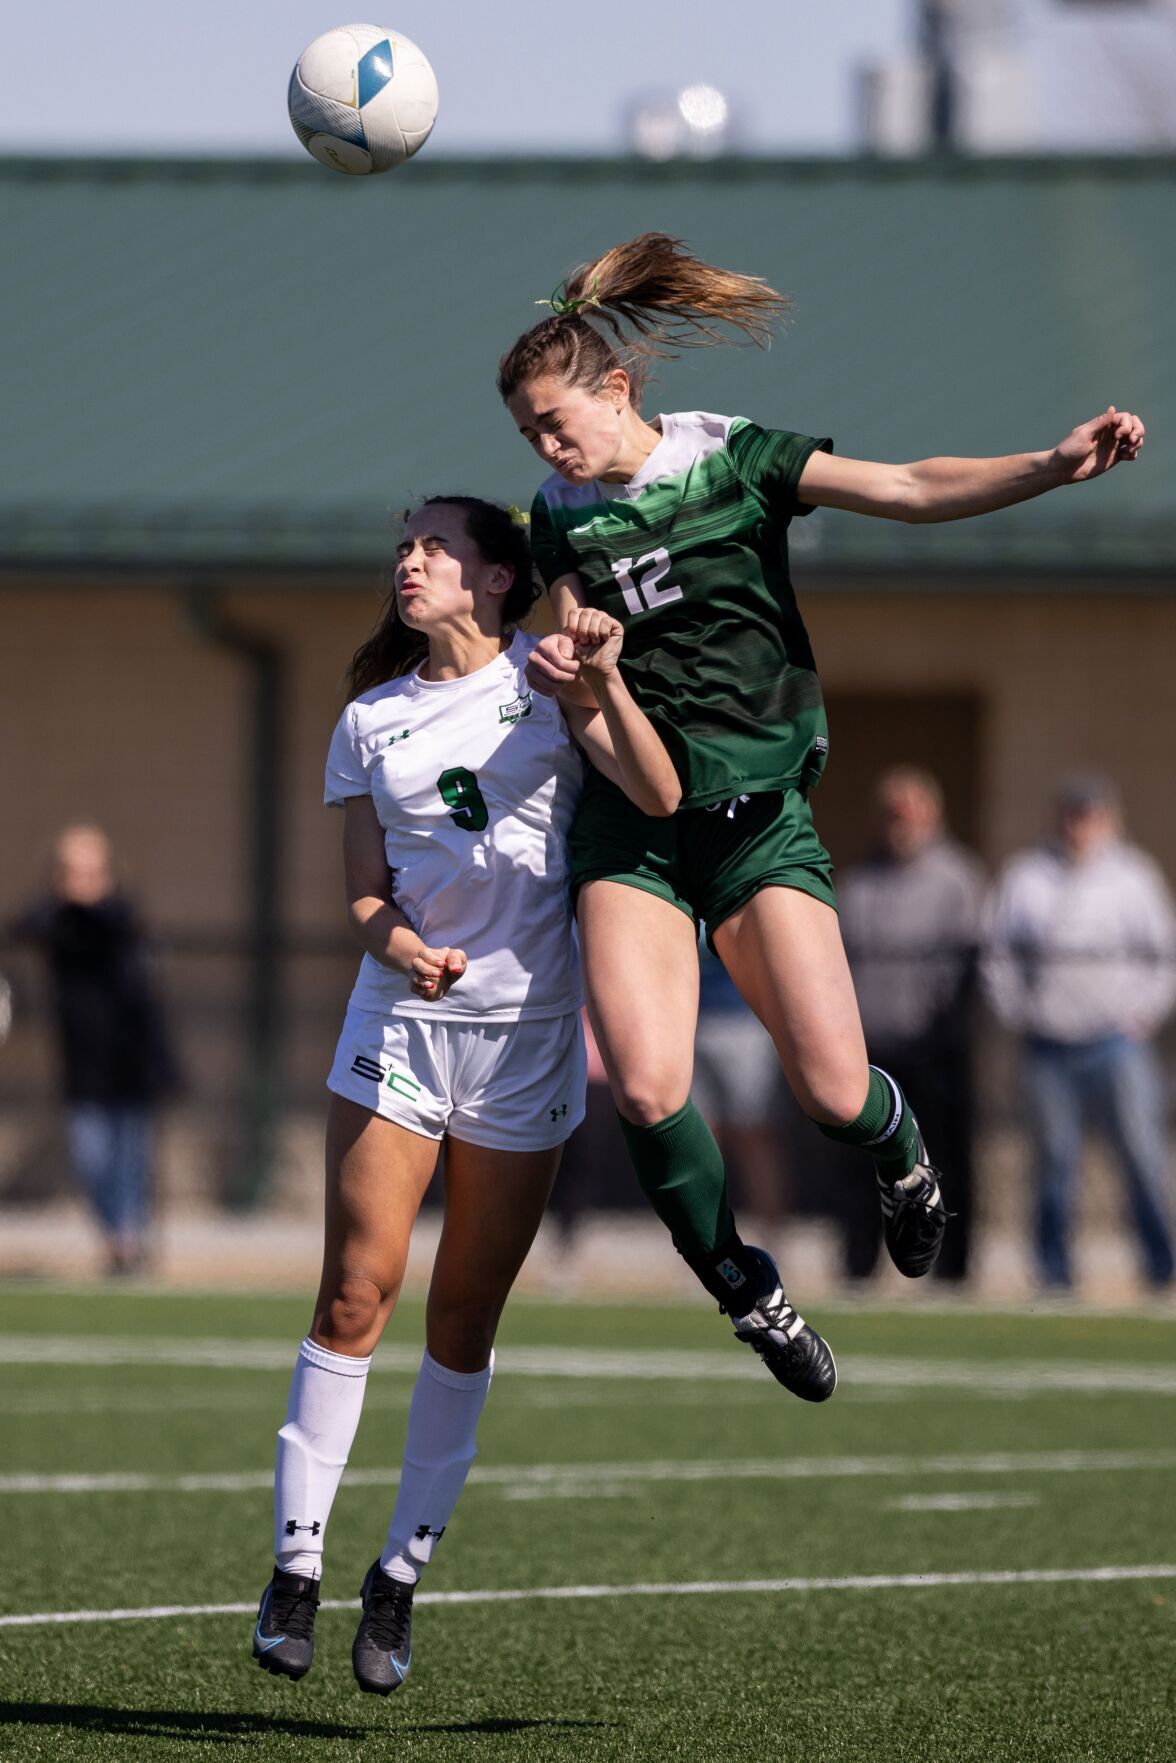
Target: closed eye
430,542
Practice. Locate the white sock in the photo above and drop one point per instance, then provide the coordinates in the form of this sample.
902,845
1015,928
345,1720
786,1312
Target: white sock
442,1423
326,1395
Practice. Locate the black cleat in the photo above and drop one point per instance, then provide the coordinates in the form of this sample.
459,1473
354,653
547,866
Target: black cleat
793,1352
914,1217
283,1638
382,1650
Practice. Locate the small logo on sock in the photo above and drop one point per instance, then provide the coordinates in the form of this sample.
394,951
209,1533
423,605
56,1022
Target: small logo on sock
293,1527
422,1531
727,1270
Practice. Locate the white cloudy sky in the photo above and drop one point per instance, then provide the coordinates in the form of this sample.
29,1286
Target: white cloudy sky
535,75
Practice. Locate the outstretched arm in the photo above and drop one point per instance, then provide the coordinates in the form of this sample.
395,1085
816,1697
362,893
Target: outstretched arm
953,489
618,738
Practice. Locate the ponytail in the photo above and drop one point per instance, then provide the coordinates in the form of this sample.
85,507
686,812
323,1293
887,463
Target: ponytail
655,298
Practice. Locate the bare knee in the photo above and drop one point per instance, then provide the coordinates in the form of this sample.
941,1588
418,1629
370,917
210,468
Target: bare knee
834,1100
645,1101
351,1312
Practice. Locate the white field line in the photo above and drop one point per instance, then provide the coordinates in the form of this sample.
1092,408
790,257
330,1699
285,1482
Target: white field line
860,1582
960,1502
564,1480
974,1376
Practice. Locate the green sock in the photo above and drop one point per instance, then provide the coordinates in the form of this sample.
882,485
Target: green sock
681,1172
885,1127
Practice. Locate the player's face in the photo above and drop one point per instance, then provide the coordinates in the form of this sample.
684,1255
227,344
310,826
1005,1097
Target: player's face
576,432
440,574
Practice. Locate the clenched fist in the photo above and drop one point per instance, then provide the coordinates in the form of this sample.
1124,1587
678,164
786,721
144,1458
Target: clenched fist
595,638
433,971
552,664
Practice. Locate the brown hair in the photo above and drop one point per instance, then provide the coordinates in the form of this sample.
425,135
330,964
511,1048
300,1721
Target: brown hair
655,298
393,649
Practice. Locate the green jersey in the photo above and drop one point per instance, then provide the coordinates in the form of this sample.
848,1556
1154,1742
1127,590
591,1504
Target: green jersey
691,555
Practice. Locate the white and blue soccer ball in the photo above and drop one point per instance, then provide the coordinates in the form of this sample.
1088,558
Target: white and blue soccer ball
362,99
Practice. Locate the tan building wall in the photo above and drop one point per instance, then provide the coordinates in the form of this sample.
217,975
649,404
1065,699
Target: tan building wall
113,708
1062,680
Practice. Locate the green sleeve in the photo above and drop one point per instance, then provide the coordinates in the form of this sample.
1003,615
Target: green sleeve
550,549
769,462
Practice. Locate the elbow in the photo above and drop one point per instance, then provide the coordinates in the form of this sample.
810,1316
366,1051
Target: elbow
910,501
663,801
359,911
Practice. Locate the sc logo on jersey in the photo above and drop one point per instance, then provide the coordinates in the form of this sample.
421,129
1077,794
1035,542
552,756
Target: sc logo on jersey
641,592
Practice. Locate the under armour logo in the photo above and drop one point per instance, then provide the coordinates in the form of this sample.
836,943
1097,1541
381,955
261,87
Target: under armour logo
560,1112
422,1531
293,1527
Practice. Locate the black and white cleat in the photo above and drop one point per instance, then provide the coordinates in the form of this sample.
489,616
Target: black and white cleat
914,1217
793,1352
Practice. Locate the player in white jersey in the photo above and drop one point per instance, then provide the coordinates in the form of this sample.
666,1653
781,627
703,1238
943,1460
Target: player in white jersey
458,787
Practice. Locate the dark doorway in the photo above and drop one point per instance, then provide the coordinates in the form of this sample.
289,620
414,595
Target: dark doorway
871,731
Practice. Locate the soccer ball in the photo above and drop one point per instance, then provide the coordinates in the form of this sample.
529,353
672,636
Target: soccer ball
362,99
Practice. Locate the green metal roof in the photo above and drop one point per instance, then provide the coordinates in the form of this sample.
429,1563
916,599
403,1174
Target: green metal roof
213,362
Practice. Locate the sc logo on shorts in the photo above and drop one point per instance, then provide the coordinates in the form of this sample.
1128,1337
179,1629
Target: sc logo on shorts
401,1082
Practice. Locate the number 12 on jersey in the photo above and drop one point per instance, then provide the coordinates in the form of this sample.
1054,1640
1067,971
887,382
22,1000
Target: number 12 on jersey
641,592
461,795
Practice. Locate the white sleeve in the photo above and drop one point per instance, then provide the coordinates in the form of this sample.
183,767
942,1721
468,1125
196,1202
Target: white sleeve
345,773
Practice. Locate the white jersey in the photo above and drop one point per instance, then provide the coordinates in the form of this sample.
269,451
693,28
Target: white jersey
475,782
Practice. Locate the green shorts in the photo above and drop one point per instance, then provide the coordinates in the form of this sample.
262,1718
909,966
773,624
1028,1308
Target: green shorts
706,861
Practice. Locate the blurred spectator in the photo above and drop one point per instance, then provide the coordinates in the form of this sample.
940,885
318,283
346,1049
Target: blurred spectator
910,917
1082,964
736,1089
115,1060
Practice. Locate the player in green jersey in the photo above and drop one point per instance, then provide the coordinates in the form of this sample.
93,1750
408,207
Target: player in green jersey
677,526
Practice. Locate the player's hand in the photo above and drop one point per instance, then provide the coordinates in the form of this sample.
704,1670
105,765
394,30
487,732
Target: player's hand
596,639
552,664
1095,446
433,971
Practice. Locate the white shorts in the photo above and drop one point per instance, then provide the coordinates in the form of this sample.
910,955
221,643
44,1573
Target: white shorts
510,1086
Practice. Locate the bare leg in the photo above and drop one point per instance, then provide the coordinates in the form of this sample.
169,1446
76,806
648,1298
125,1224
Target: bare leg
494,1202
377,1174
641,982
784,952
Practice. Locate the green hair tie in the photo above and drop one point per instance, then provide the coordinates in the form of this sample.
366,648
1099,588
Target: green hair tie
565,308
517,514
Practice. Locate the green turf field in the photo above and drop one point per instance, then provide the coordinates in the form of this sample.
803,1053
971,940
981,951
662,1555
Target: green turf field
621,1448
